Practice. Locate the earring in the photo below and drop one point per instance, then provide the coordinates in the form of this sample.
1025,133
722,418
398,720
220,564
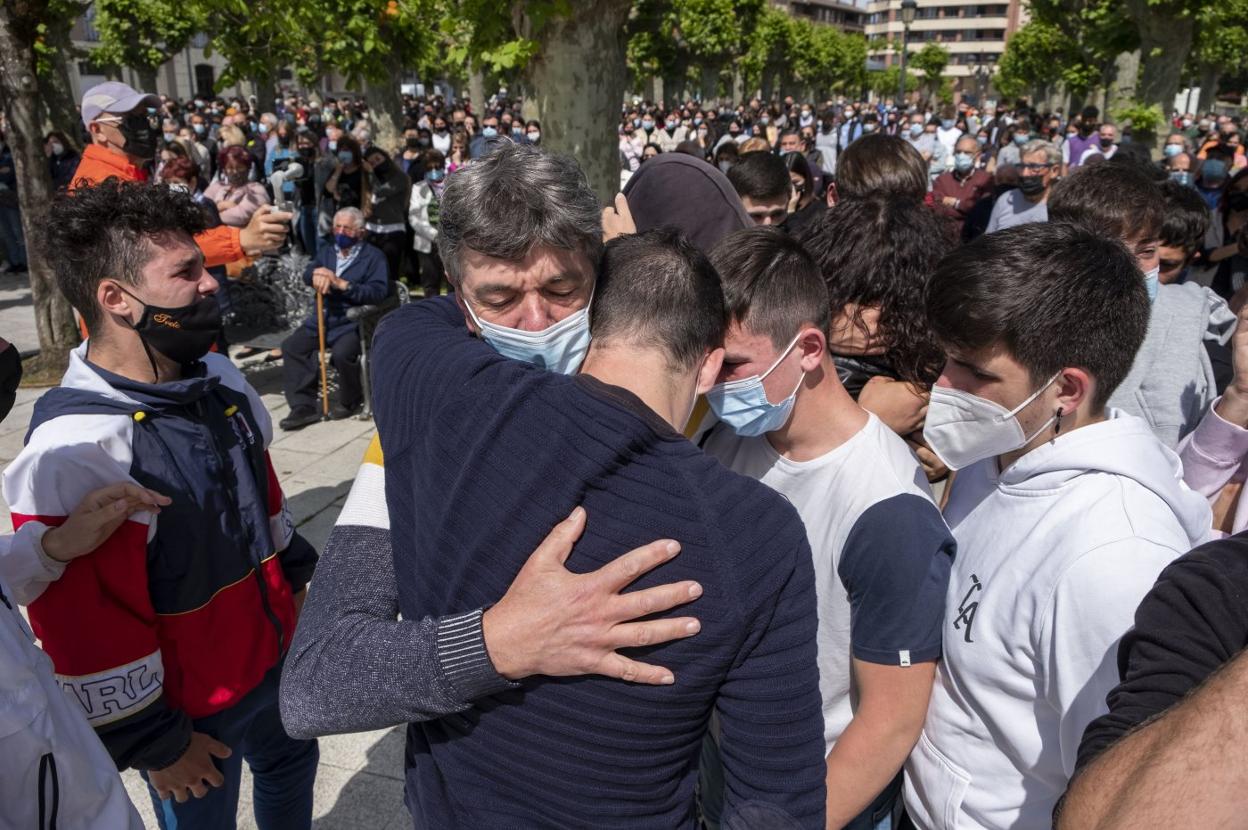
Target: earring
1057,427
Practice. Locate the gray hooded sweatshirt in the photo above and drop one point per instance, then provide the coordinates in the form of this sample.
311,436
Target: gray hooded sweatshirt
1171,383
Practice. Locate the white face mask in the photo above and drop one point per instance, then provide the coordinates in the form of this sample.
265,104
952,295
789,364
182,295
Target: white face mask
559,348
962,428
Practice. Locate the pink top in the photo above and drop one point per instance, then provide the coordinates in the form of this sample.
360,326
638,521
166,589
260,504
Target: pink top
1213,456
250,198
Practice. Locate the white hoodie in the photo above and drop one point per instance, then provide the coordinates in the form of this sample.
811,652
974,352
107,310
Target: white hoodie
54,772
1054,555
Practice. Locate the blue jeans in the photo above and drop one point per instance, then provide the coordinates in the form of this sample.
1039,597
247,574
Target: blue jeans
881,814
284,769
12,240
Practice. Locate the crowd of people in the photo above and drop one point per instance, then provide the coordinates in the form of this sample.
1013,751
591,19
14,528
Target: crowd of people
860,466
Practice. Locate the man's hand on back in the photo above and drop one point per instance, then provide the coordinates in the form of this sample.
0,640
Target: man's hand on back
557,623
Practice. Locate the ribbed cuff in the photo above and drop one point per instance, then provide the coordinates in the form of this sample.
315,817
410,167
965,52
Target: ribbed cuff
464,659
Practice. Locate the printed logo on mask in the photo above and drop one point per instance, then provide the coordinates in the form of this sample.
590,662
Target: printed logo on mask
166,320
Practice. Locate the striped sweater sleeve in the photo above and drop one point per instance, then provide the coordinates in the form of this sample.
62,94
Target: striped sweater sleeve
354,665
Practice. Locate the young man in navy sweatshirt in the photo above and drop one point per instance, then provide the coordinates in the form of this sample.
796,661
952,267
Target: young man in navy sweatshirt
511,449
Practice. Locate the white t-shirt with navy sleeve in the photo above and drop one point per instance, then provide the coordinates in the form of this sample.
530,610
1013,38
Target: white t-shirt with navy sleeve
882,552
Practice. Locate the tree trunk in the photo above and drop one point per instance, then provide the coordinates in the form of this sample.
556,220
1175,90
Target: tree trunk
476,91
1165,41
19,92
264,88
1209,77
738,86
1122,90
579,76
768,83
57,105
656,94
147,78
710,84
385,107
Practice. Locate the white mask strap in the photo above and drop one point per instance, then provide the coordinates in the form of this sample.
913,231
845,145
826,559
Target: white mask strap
1031,398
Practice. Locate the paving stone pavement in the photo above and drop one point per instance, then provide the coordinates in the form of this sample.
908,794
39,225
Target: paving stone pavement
359,781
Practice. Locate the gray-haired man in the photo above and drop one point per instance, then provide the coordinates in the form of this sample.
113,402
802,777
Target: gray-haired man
351,272
354,665
1029,202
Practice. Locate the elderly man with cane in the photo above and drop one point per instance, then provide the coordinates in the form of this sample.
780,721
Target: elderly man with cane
349,273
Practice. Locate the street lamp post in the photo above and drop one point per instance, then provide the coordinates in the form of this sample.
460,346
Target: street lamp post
908,8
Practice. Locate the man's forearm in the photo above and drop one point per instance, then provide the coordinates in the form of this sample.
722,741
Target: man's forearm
1187,768
354,666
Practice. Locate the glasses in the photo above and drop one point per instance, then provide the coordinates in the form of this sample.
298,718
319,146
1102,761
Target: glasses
1035,168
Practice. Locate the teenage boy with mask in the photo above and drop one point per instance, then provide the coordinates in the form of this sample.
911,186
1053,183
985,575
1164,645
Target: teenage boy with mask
172,635
876,537
1064,513
1172,382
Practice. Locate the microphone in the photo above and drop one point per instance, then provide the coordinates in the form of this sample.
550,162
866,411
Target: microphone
294,170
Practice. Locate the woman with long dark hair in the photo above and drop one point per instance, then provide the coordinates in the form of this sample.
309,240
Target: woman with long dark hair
876,254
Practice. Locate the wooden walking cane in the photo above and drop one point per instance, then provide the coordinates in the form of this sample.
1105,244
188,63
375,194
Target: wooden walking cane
320,333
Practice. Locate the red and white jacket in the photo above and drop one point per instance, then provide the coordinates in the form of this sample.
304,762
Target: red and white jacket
175,616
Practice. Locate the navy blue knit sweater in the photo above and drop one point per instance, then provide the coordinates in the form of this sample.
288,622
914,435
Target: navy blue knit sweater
483,456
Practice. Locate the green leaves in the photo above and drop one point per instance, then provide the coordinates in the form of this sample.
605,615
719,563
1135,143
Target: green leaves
143,33
931,60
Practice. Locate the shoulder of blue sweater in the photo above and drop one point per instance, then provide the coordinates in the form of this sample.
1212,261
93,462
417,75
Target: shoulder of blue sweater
748,515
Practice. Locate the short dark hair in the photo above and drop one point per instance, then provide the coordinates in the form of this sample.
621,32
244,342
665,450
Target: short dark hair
771,284
881,165
103,232
878,253
1053,294
656,289
1187,217
1116,200
760,175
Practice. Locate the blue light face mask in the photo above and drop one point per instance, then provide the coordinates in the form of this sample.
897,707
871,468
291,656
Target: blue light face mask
1152,283
743,405
559,348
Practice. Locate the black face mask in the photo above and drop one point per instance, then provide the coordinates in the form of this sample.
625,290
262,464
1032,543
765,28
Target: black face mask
10,377
307,152
183,334
1031,185
382,168
413,143
141,133
1237,201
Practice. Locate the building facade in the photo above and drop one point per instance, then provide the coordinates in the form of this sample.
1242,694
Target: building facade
974,33
190,73
846,15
